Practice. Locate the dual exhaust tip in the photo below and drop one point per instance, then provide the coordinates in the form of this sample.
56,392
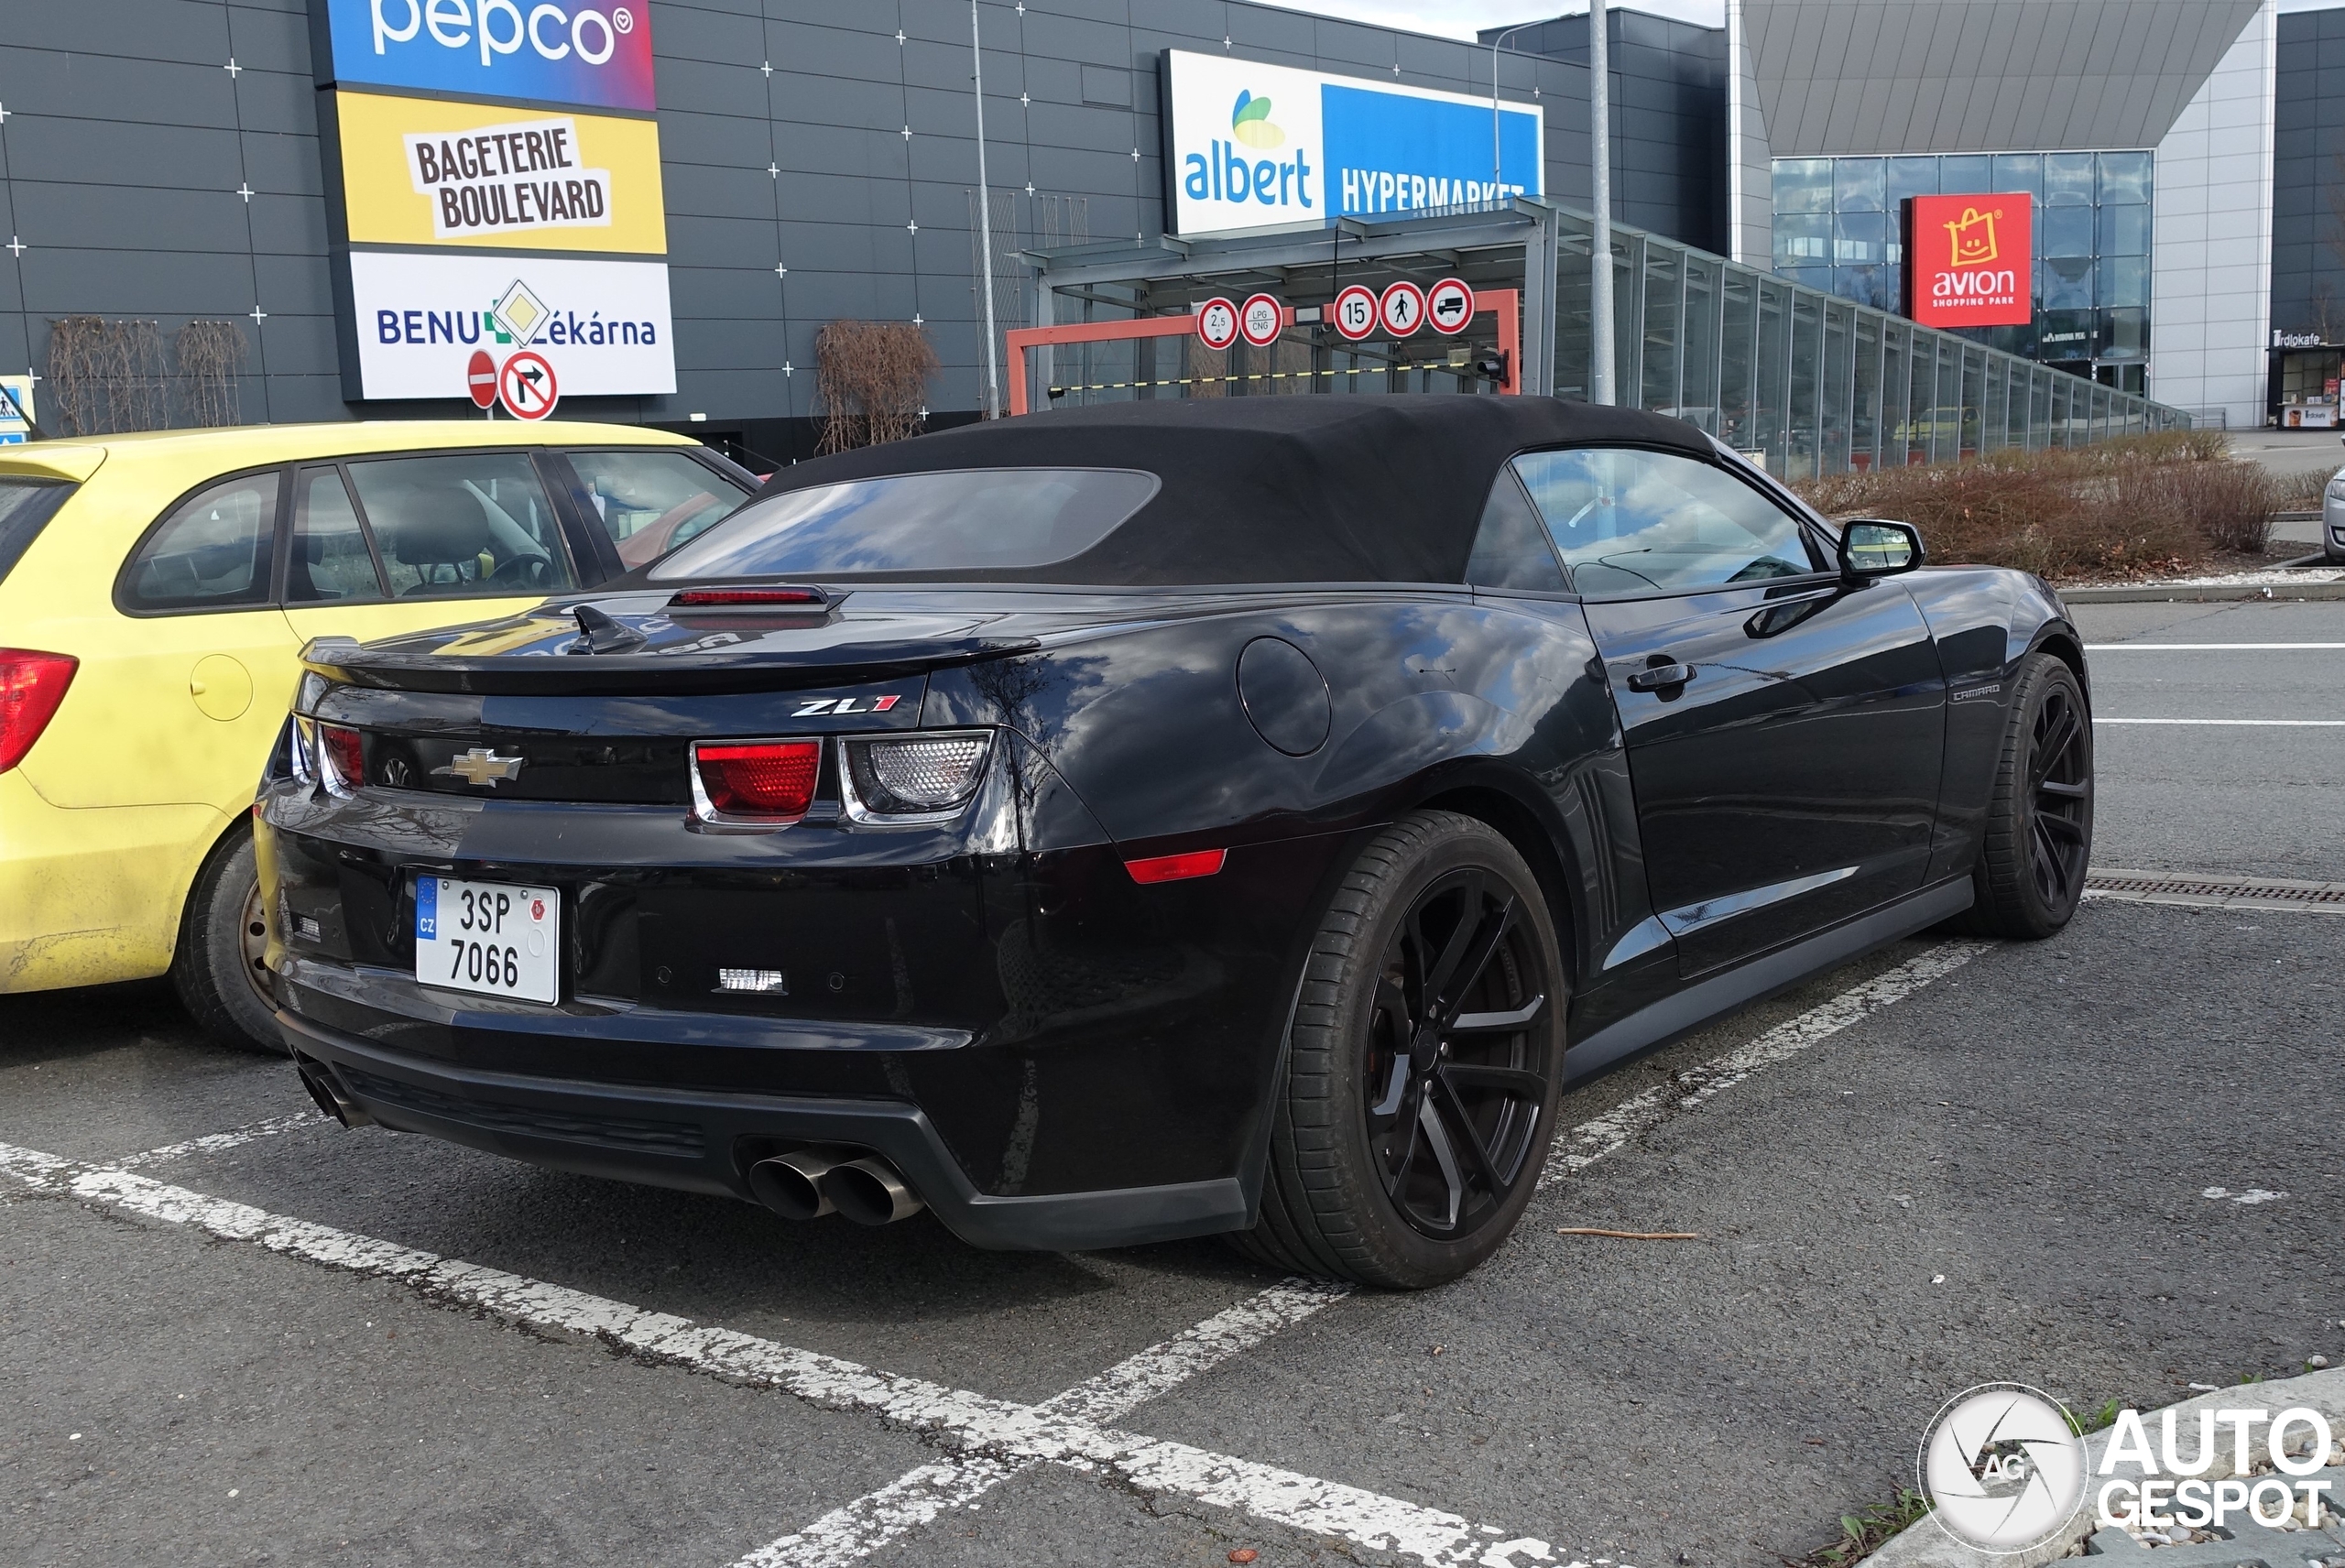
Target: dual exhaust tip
808,1184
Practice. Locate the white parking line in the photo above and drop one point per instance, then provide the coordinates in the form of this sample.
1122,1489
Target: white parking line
2207,647
2234,723
219,1142
1583,1145
999,1430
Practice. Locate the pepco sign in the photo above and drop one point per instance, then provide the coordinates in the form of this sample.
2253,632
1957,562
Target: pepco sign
1970,260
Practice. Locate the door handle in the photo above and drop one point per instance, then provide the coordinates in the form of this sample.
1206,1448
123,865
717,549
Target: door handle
1660,676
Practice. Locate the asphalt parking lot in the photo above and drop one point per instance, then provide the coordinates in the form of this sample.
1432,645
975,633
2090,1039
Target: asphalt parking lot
1949,1163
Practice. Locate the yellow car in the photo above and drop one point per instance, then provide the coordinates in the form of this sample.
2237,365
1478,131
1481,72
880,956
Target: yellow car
155,590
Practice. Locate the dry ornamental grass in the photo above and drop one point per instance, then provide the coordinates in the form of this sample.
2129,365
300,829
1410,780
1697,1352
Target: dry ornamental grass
2136,505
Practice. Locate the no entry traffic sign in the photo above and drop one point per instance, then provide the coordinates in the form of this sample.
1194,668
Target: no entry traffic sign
1355,312
1216,323
480,378
1402,309
1260,318
1449,304
527,386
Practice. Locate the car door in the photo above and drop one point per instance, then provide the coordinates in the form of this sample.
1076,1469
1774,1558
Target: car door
189,695
1783,725
647,501
408,541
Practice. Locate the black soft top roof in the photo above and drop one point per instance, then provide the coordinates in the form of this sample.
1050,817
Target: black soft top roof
1278,489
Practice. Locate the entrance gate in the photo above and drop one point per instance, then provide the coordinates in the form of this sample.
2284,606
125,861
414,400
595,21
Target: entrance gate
1119,323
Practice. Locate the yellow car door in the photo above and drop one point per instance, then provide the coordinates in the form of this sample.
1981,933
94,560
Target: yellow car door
381,546
177,704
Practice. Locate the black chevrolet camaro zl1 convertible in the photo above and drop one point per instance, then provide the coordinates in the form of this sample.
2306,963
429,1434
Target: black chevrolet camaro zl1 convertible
1157,820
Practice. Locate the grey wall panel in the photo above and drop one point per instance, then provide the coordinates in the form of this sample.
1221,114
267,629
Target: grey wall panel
298,285
134,221
60,281
301,345
43,82
703,88
288,225
697,33
287,165
102,152
271,41
150,29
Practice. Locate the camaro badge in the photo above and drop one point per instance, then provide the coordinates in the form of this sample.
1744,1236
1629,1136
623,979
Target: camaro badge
481,765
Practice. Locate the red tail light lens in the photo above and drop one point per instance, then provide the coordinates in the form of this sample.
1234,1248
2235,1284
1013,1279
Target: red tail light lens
31,685
1177,868
773,780
345,755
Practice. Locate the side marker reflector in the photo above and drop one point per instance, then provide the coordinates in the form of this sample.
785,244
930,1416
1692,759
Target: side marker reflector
1177,868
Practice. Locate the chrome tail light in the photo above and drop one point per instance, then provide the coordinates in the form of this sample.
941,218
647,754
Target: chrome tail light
917,778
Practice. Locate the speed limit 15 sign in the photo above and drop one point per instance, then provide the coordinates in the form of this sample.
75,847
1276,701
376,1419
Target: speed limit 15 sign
1355,310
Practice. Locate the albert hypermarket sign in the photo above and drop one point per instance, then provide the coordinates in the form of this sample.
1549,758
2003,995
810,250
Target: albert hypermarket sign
1267,147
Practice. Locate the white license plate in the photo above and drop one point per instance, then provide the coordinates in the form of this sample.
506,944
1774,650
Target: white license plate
491,937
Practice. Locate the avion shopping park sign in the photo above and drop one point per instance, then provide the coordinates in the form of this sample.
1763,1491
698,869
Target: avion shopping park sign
1266,147
1970,260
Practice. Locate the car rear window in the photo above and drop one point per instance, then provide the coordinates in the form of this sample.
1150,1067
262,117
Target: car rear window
27,503
990,520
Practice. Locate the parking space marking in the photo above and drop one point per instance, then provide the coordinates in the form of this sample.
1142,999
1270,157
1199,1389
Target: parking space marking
220,1142
2236,723
1581,1147
2207,647
994,1429
851,1532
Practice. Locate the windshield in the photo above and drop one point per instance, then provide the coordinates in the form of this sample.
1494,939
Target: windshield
999,521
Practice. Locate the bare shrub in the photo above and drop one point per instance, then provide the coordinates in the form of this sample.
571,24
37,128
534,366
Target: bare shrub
2139,503
872,378
107,377
2231,503
209,356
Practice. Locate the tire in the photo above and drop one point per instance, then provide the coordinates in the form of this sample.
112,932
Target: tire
2031,870
216,967
1343,1196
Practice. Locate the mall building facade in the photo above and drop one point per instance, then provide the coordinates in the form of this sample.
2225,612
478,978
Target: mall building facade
294,176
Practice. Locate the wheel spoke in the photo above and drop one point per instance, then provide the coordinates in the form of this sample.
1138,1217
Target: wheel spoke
1453,1115
1514,1082
1488,931
2059,733
2063,791
1446,1158
1520,1019
1393,1090
1461,937
2052,868
2059,827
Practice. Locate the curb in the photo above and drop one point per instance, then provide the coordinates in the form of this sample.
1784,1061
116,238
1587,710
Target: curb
2185,593
1923,1544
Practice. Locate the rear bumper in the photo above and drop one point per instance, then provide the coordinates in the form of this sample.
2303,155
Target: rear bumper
705,1141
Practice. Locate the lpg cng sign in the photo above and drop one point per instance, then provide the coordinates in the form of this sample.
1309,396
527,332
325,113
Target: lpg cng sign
1970,260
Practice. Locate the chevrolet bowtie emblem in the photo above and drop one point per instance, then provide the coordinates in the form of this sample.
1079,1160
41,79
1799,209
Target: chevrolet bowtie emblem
480,766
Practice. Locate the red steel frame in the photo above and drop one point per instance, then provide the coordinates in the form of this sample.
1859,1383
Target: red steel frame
1504,303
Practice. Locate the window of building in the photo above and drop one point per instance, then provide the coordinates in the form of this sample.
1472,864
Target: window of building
1836,229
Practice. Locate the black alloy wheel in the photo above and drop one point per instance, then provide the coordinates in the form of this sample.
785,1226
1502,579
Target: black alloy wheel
1453,1086
2059,772
1424,1065
2030,874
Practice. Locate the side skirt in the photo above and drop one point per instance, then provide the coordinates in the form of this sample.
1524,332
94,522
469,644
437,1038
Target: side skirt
1684,1011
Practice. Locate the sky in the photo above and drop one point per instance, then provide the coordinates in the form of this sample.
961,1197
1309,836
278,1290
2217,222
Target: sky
1464,19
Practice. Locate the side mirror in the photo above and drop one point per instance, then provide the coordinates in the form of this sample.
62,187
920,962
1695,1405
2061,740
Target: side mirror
1874,549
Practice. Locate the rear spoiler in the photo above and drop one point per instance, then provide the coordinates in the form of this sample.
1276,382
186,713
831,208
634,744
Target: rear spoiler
719,667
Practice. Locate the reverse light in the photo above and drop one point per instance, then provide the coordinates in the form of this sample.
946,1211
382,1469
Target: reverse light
764,783
911,778
345,756
31,685
1177,867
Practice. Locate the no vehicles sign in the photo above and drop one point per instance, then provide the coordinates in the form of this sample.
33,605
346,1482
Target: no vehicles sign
527,386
